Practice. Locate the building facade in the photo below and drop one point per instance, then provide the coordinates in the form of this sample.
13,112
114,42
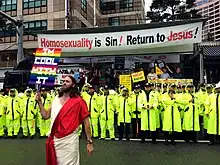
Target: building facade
211,10
65,14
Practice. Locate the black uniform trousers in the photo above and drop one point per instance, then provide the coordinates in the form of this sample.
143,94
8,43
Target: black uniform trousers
124,128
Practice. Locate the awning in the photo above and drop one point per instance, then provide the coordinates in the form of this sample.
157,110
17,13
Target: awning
211,52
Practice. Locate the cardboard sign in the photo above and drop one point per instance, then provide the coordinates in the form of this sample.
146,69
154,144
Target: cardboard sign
158,70
126,81
138,76
44,70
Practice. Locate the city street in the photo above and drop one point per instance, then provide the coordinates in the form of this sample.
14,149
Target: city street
31,152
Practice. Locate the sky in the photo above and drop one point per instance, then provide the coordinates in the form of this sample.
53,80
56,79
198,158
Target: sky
147,5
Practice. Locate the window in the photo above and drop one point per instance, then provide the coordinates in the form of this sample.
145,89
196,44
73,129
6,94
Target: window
84,8
108,6
8,36
9,6
127,5
34,6
34,26
114,21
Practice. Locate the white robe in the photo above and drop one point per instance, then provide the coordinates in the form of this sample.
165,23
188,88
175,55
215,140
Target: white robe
67,148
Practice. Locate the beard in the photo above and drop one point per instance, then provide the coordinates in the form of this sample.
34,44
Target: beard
65,89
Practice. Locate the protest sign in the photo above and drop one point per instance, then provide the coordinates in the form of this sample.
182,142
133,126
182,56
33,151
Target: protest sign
126,81
172,81
138,76
44,70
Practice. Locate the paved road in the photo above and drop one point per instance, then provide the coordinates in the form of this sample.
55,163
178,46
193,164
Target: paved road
31,152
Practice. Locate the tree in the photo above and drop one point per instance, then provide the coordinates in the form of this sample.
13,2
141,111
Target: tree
171,10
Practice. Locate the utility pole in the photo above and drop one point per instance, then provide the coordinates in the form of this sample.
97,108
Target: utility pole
94,13
20,30
201,66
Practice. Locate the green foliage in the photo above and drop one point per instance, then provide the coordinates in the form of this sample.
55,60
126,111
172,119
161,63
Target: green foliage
171,10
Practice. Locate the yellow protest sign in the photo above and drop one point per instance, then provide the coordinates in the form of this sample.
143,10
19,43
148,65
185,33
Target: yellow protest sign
172,81
158,70
138,76
126,81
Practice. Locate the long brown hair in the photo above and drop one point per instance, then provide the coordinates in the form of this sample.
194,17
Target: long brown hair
74,91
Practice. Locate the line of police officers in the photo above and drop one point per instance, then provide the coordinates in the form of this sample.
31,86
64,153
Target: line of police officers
19,111
157,108
146,112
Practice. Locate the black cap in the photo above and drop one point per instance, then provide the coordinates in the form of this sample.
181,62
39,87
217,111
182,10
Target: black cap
121,86
106,87
209,85
125,89
152,84
137,87
173,85
147,85
43,89
158,84
202,85
29,90
12,90
165,85
178,86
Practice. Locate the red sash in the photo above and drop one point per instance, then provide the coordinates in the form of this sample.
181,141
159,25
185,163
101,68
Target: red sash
67,121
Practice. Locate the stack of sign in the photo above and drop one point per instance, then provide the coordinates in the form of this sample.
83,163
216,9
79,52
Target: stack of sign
44,70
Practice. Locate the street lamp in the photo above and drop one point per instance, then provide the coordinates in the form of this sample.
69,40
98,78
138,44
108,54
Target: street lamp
19,27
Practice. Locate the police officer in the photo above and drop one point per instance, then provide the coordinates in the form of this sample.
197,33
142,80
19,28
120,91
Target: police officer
136,111
107,114
13,113
212,112
2,113
124,114
29,114
92,102
44,125
149,114
191,116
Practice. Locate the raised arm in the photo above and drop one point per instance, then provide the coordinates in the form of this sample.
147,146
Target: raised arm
45,113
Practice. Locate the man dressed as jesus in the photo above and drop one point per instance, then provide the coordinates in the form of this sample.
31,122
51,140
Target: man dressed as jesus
68,111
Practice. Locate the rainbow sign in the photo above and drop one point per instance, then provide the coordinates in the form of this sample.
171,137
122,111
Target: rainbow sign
44,70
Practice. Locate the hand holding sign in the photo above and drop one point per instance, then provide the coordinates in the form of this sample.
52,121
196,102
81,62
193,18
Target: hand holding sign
44,70
38,97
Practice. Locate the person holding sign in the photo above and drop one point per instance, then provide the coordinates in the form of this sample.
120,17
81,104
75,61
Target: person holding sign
44,124
67,112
